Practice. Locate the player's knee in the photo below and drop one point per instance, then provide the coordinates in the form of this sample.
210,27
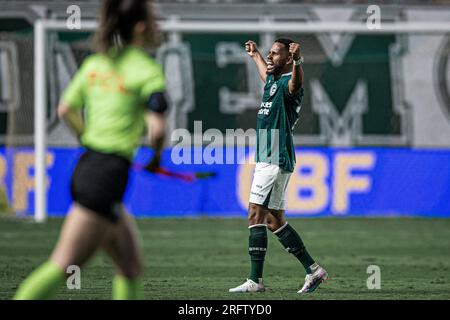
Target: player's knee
256,214
253,208
273,224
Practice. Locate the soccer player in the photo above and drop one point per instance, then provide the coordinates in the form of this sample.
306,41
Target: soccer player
121,89
275,161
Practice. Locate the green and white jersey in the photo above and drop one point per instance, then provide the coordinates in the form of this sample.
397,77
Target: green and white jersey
114,92
276,120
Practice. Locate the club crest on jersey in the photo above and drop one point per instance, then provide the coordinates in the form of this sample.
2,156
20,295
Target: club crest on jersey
273,88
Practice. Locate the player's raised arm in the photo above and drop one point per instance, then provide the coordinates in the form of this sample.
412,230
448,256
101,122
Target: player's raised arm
296,81
261,65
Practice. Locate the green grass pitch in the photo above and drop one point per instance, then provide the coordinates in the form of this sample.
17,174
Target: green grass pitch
202,258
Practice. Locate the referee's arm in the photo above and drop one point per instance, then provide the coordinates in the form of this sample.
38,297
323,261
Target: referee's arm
157,106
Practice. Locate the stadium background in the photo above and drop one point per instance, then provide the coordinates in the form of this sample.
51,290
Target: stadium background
376,109
375,125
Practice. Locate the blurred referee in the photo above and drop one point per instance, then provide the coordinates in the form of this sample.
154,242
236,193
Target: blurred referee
122,90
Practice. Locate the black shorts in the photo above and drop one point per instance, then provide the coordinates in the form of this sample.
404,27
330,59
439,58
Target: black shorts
99,182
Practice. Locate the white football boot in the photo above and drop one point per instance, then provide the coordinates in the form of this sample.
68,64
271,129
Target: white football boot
250,286
313,280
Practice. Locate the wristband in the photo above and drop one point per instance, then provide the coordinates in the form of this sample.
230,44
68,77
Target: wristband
298,62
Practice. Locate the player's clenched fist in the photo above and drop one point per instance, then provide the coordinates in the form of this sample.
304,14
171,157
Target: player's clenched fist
294,50
250,47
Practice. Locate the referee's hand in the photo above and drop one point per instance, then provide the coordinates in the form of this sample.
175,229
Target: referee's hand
154,164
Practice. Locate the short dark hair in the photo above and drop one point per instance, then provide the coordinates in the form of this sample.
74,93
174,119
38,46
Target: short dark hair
285,41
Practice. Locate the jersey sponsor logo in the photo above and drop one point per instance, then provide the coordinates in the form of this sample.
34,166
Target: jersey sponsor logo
265,108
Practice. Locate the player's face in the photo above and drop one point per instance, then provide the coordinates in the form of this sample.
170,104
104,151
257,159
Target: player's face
277,58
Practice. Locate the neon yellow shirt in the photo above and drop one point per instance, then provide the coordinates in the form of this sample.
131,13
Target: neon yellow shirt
114,93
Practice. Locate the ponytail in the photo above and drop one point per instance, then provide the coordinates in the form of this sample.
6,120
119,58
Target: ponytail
117,21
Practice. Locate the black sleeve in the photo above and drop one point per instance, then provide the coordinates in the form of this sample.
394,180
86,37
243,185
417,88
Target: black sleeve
158,102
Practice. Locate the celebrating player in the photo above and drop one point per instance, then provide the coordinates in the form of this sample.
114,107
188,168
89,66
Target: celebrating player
275,157
121,89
